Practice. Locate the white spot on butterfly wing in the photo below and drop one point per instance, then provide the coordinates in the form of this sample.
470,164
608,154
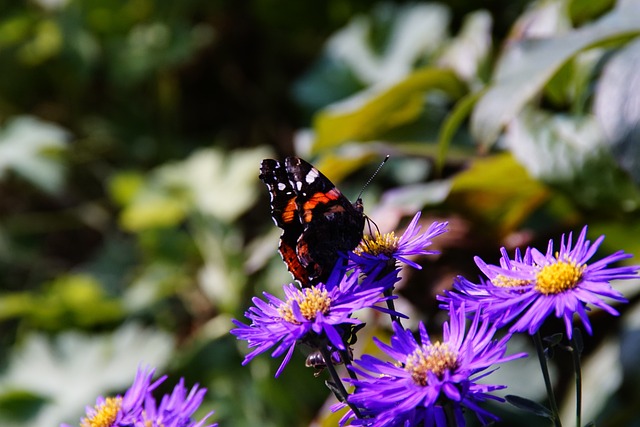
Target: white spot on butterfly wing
311,176
282,186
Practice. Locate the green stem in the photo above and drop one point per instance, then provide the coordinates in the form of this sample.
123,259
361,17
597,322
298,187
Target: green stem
340,391
578,373
537,340
450,414
391,306
346,359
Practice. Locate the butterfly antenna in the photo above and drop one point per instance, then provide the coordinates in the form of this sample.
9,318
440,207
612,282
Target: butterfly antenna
372,176
369,222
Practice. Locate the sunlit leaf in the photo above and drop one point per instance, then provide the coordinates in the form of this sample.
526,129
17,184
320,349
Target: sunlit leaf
498,191
370,114
124,186
32,148
153,212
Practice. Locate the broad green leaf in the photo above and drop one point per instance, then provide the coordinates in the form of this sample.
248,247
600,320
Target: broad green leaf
553,147
499,192
583,10
153,212
75,300
619,237
70,370
617,107
568,152
369,115
524,70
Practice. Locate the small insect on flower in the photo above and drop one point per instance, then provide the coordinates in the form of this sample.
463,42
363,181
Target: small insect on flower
428,381
316,360
526,290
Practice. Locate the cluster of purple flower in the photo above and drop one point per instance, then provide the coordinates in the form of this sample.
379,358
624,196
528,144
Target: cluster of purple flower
138,408
432,382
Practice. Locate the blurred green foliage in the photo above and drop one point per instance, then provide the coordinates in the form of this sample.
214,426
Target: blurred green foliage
133,226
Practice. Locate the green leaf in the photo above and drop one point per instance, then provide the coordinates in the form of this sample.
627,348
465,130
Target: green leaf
20,406
617,107
124,186
153,212
369,115
553,340
499,192
454,120
529,406
524,70
76,300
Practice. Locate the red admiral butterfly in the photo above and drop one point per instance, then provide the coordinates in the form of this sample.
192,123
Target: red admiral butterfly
317,219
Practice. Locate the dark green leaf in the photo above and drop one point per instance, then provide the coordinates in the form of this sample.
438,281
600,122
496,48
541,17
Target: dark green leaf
529,406
553,340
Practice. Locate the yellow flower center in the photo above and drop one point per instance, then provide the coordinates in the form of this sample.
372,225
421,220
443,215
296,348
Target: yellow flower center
435,357
378,244
105,414
311,302
503,281
559,277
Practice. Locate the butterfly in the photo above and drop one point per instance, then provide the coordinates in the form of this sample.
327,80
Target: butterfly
317,220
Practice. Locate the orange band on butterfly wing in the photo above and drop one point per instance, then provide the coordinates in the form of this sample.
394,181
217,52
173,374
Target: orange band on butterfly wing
290,211
316,199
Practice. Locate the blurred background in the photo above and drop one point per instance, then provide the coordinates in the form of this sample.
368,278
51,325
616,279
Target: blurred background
133,225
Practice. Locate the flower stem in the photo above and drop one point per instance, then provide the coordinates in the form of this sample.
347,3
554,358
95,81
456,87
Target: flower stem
537,340
450,415
346,359
578,373
391,306
338,389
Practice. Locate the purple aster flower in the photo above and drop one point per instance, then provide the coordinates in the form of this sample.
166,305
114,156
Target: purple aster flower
175,410
530,289
380,250
426,380
476,296
138,408
121,411
309,313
